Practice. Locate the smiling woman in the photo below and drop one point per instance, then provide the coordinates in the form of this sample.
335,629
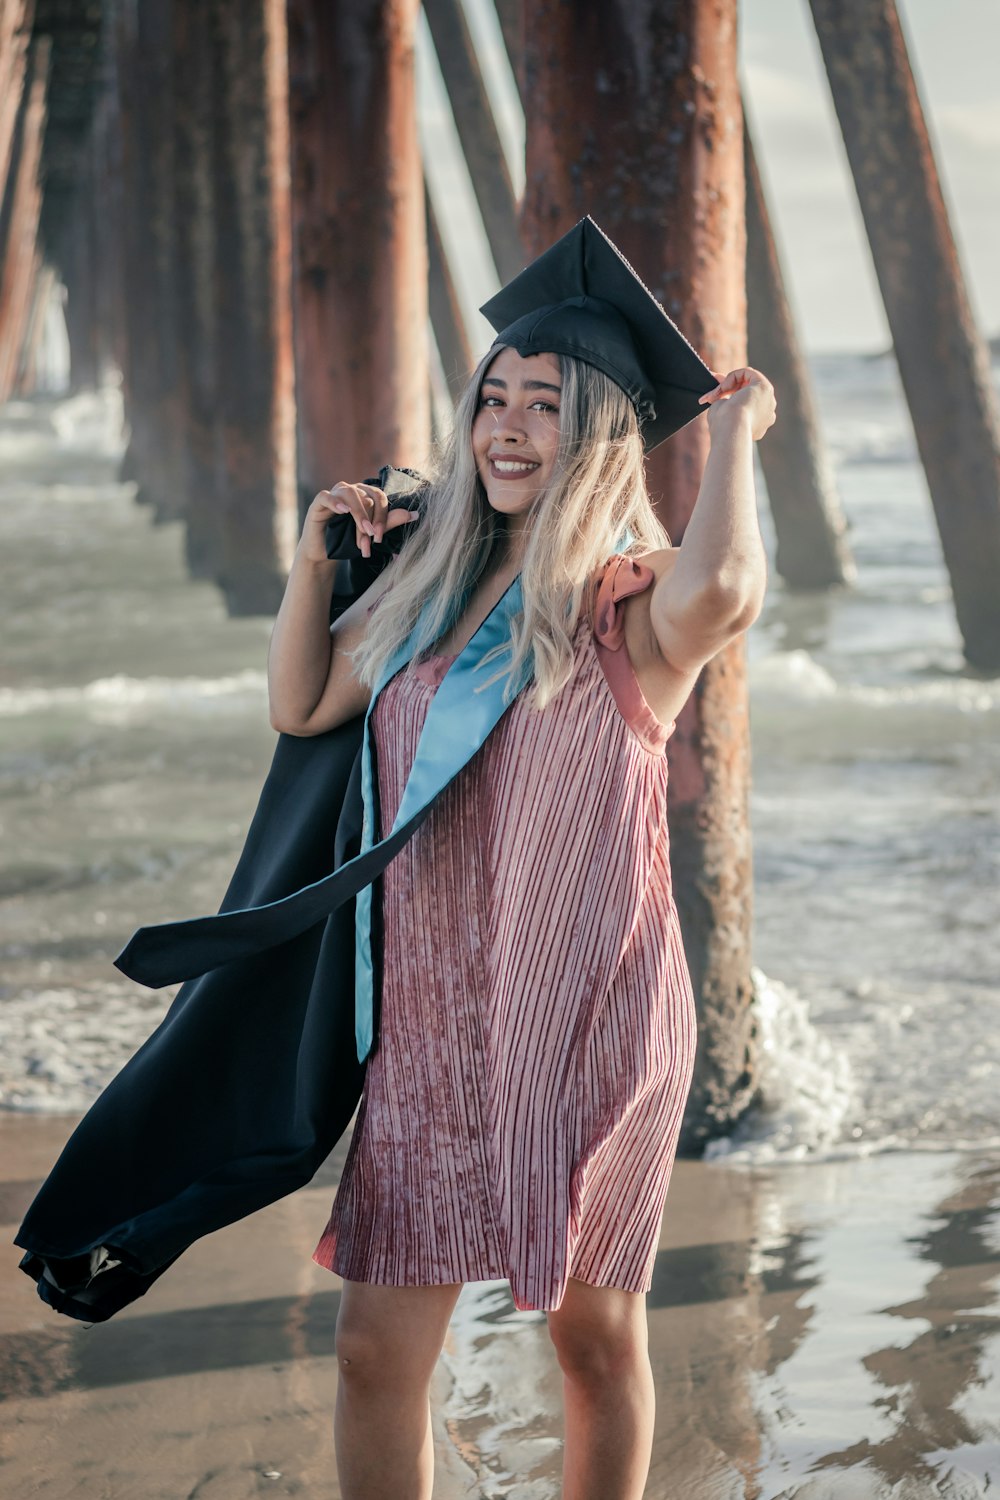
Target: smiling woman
522,1005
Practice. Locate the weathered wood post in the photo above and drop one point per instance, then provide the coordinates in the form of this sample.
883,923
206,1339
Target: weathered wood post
27,373
511,18
942,358
447,320
20,257
477,132
360,252
15,35
255,395
809,524
192,85
636,118
150,231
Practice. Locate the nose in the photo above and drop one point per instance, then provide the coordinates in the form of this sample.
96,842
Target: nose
507,427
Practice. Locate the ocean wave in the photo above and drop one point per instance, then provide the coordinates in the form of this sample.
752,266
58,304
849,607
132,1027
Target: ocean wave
796,703
822,1099
59,1047
124,692
806,1084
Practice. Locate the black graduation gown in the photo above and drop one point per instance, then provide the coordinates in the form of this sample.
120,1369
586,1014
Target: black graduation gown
252,1077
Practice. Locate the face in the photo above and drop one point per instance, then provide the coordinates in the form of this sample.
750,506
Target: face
515,433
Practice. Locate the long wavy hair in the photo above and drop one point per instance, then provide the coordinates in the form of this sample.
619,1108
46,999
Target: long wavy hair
597,494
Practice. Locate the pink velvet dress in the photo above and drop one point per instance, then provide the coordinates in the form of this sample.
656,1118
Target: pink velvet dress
521,1111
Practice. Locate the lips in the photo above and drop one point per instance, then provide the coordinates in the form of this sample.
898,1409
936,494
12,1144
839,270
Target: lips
512,468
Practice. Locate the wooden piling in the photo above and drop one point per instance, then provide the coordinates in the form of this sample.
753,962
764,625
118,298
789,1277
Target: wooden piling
511,19
477,132
15,35
78,262
942,358
192,87
809,524
20,258
149,235
635,118
255,487
26,380
360,252
446,313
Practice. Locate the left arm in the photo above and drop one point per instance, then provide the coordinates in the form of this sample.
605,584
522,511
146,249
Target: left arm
716,587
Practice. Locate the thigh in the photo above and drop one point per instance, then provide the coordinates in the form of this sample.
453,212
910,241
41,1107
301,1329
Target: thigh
394,1327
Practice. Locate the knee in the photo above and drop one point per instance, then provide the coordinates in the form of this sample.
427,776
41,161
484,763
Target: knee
365,1358
372,1358
597,1354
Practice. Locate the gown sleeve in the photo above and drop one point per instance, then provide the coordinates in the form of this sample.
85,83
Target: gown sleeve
622,577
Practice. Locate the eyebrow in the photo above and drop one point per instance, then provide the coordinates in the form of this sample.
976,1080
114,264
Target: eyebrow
529,385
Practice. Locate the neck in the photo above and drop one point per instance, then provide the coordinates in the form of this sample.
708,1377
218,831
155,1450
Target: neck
516,542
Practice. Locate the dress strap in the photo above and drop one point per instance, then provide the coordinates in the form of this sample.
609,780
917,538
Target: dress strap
622,577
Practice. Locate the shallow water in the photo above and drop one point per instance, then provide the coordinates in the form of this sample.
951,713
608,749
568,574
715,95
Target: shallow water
134,738
823,1333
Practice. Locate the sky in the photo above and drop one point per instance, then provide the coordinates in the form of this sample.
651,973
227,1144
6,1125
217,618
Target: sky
954,48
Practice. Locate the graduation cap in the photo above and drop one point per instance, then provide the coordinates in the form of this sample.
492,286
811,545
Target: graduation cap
582,297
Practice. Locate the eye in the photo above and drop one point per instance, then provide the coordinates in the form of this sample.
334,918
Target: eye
545,405
490,400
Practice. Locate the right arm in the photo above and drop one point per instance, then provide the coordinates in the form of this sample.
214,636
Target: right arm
311,685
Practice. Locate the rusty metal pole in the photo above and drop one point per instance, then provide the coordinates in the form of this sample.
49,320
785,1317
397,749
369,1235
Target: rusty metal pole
19,215
635,118
942,358
809,524
360,278
477,132
255,393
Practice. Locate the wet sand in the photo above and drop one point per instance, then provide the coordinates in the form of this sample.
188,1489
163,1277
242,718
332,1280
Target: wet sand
823,1332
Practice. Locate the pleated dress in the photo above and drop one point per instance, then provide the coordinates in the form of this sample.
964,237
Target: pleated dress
520,1113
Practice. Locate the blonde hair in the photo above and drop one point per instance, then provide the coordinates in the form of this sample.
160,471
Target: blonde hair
596,495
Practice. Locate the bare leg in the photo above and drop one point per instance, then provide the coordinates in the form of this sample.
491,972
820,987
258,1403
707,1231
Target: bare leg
601,1339
388,1341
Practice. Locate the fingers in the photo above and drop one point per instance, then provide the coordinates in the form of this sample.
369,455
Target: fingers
369,507
352,500
734,381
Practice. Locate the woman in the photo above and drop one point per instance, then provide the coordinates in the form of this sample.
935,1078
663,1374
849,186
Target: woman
522,1105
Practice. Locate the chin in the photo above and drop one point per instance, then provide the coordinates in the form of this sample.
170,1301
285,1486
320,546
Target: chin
511,505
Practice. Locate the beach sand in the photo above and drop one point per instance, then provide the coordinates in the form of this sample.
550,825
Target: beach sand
827,1332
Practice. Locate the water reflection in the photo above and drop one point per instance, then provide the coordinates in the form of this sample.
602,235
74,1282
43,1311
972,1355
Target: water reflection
774,1322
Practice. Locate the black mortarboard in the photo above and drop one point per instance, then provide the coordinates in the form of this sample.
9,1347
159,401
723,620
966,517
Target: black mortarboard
582,297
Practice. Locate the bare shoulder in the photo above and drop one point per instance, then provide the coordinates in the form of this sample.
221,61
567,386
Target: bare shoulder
665,687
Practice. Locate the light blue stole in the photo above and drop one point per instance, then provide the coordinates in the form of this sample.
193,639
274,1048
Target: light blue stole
458,722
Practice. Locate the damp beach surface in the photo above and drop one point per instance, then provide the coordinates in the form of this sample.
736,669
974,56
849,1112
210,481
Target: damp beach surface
822,1332
824,1320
